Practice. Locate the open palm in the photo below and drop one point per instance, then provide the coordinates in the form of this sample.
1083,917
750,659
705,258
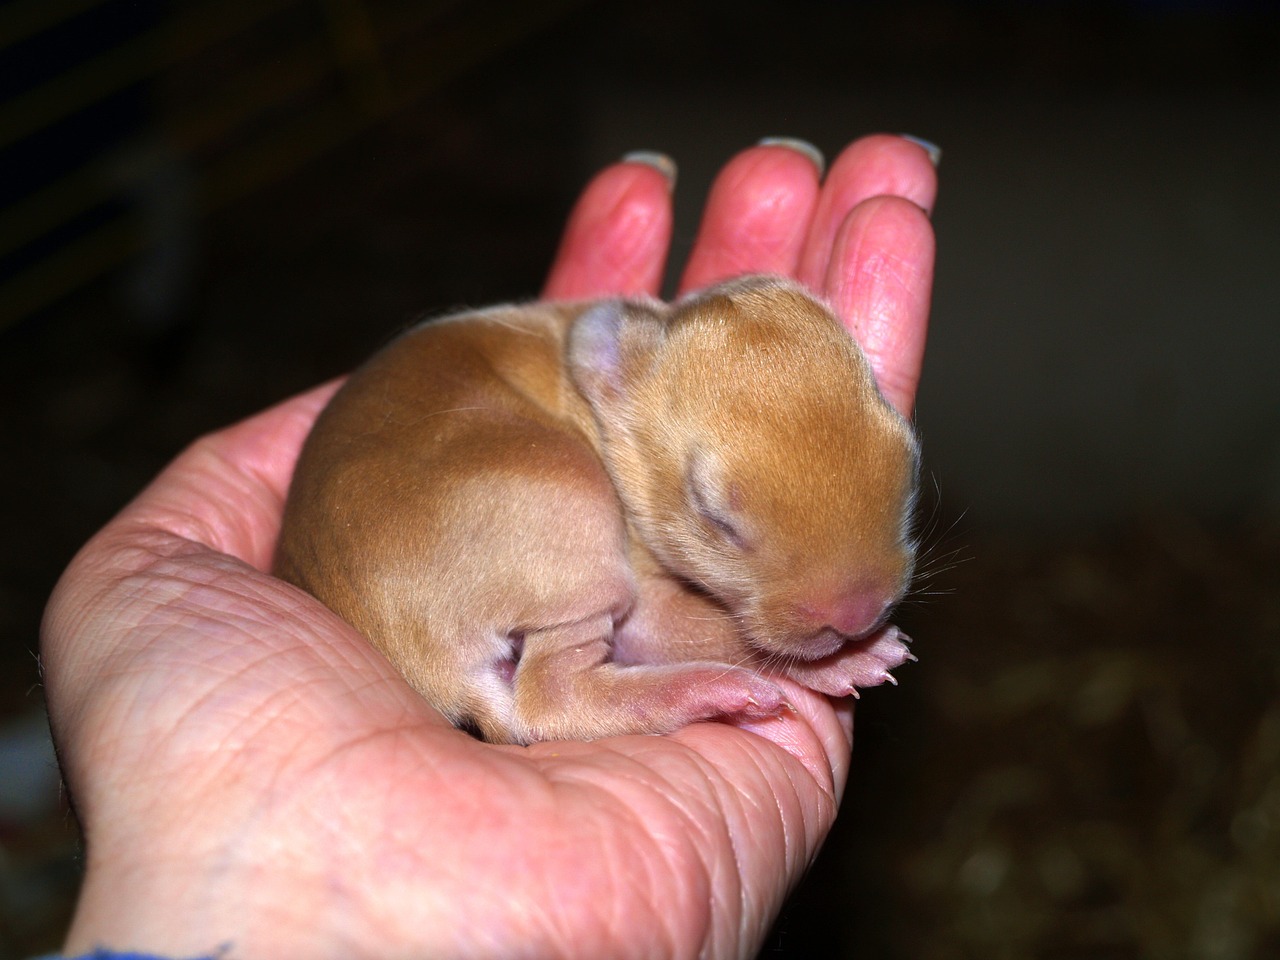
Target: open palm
250,772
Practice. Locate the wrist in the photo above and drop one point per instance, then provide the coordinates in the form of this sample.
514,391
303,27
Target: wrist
183,876
174,908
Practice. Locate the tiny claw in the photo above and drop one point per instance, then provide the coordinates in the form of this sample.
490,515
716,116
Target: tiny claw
913,658
853,692
788,706
891,678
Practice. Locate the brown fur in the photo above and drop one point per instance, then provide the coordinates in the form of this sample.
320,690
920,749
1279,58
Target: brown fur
573,521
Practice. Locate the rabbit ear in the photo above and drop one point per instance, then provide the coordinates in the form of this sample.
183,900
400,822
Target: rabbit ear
609,343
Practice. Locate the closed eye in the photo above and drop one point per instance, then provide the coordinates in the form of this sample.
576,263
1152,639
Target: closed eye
716,519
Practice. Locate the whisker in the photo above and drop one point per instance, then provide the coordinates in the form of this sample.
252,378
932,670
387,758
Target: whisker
933,560
726,615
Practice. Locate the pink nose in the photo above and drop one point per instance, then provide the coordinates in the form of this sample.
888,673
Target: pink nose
851,614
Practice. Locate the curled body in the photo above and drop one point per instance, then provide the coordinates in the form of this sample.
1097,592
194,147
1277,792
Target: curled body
570,521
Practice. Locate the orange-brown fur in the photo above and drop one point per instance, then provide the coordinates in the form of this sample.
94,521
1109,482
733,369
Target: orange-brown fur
573,521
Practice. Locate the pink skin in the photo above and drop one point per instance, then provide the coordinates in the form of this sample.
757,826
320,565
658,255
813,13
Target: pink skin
250,772
863,663
854,612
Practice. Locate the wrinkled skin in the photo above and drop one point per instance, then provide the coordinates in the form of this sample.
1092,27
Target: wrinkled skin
250,772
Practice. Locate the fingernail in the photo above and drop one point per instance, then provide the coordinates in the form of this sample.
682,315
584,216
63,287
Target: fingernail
658,161
799,146
932,149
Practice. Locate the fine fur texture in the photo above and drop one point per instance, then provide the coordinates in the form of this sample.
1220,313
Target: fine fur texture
570,521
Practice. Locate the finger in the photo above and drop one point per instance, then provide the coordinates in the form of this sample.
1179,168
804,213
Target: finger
757,216
817,731
776,798
875,166
880,280
227,490
618,234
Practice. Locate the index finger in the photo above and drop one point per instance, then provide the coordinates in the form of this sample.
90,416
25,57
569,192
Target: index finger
880,165
879,279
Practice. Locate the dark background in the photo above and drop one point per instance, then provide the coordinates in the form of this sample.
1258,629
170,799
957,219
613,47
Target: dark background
210,206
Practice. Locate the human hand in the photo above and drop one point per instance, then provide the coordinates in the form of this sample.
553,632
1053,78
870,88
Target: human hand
249,771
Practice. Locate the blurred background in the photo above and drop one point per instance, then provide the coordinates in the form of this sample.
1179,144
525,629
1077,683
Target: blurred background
208,205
